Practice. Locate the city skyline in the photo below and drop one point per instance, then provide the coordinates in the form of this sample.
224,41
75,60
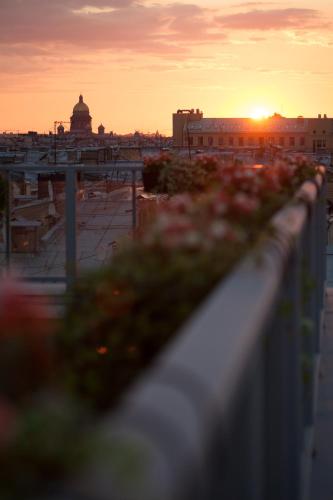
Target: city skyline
136,62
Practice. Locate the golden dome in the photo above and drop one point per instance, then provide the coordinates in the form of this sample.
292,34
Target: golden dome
81,106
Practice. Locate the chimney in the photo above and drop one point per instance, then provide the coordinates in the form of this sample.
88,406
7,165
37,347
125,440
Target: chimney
319,116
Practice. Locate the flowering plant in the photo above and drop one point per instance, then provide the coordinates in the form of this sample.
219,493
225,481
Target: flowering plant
184,176
154,164
121,316
45,434
118,318
25,333
178,175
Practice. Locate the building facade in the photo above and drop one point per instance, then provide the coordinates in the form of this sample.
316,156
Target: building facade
81,119
308,135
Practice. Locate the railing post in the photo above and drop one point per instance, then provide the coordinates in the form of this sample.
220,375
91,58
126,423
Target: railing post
320,211
309,311
70,216
323,201
284,422
7,219
134,215
236,466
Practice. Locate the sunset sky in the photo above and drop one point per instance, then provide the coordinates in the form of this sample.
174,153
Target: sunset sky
137,61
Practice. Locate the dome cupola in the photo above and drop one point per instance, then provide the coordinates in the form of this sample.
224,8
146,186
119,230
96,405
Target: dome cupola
61,129
81,119
80,106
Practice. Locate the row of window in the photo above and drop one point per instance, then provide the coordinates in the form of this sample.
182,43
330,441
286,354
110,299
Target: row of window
319,143
246,141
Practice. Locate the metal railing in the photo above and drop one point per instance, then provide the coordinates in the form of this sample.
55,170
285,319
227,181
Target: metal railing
228,409
131,171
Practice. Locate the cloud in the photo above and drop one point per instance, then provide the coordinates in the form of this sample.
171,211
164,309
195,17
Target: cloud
107,24
257,39
274,19
253,4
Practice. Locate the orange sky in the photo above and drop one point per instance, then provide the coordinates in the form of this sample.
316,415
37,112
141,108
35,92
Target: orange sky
137,61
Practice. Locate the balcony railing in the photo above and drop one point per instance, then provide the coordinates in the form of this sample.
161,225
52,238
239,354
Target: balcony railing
227,411
68,183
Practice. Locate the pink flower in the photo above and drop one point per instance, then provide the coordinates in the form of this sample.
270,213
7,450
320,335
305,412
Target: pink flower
218,229
181,203
244,204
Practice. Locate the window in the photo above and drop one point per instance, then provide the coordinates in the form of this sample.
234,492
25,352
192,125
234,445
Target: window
291,141
240,141
221,141
200,140
190,140
261,141
319,144
281,141
210,141
231,141
302,141
324,143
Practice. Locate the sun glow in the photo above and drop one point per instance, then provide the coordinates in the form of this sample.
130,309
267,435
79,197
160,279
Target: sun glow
259,113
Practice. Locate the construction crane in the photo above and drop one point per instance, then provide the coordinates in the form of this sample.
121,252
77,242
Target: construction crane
55,123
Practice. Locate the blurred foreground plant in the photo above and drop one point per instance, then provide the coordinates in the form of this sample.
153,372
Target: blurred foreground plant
120,317
53,384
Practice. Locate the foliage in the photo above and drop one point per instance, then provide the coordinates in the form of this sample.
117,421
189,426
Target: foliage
54,383
45,434
178,175
25,332
185,176
130,311
120,317
155,164
46,441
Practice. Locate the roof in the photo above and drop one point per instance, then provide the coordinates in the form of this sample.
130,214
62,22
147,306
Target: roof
81,106
214,125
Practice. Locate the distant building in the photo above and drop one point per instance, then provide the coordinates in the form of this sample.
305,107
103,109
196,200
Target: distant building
180,125
61,129
81,119
101,130
308,135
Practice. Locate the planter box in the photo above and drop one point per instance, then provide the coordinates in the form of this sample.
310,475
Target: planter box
224,410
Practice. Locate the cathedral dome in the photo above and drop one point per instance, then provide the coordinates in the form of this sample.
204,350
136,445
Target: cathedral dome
81,119
80,106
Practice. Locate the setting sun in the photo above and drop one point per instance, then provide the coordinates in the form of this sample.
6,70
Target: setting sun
196,53
259,113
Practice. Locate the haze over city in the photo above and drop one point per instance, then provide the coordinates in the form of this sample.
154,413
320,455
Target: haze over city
137,61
